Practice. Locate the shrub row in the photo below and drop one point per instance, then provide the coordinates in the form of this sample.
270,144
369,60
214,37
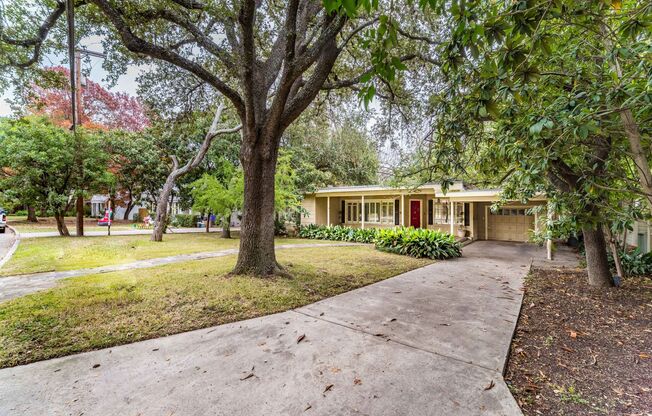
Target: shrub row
338,233
414,242
185,220
418,242
634,262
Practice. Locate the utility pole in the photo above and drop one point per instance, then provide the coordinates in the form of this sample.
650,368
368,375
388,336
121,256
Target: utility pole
75,99
78,105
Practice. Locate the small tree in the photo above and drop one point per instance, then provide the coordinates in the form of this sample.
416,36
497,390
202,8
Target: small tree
39,157
221,199
137,164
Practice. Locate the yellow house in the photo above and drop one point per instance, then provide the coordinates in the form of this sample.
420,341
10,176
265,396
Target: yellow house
459,211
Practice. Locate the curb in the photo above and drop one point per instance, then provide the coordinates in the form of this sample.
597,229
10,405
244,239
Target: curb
13,247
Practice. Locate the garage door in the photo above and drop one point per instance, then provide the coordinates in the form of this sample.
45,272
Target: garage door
510,224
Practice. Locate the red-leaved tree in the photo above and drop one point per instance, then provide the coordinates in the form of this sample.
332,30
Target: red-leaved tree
101,108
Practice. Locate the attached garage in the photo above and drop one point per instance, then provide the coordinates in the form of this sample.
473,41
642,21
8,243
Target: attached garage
509,224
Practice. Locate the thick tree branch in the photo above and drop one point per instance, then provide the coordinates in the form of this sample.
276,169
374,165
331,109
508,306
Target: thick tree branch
138,45
37,41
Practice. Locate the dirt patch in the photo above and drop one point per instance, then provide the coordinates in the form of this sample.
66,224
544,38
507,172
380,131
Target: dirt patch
582,351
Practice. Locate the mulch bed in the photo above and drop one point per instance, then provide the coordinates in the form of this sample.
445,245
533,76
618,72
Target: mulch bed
582,351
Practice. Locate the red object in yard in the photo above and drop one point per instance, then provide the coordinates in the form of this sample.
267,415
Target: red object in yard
106,221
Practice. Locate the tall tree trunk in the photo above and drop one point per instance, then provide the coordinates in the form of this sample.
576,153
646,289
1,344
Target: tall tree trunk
60,217
31,214
638,154
177,172
225,223
80,215
257,254
226,227
596,256
128,209
160,221
208,222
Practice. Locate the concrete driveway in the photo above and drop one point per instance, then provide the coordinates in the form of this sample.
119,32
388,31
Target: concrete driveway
429,342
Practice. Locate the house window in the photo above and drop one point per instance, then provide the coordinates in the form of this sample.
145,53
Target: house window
440,213
375,212
372,211
459,213
387,212
353,212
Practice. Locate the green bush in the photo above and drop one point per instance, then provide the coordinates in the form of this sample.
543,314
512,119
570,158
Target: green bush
338,233
634,262
185,220
418,242
21,213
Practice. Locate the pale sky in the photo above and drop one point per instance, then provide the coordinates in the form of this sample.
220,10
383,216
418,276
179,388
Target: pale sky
126,83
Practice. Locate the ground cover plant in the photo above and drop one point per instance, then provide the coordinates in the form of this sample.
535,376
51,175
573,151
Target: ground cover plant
98,311
582,351
408,241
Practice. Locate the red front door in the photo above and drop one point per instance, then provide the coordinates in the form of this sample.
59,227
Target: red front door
415,214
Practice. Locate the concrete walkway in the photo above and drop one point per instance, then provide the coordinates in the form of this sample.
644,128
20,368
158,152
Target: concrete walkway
432,341
8,245
20,285
103,233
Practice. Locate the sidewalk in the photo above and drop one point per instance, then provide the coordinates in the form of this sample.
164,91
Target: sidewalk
104,233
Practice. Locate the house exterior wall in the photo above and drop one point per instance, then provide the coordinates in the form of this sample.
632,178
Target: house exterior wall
476,204
640,236
308,204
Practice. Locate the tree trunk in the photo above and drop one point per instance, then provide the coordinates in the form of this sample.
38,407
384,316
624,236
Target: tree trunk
80,215
638,154
128,209
60,217
226,227
597,263
257,256
208,222
31,214
160,221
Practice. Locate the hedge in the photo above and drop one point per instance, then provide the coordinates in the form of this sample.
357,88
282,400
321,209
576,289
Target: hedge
414,242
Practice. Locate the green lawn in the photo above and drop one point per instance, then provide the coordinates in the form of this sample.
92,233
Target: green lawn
98,311
58,253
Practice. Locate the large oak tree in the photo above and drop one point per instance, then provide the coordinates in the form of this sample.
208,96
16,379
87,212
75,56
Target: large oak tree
270,59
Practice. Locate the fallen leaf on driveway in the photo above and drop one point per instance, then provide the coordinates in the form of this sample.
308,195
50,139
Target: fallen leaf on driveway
247,376
490,386
328,388
357,381
95,365
573,334
643,355
301,338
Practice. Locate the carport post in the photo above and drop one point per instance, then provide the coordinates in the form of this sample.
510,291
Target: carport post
452,217
403,210
363,212
328,211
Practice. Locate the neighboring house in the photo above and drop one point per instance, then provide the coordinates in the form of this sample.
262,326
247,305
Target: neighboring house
641,236
98,204
459,211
